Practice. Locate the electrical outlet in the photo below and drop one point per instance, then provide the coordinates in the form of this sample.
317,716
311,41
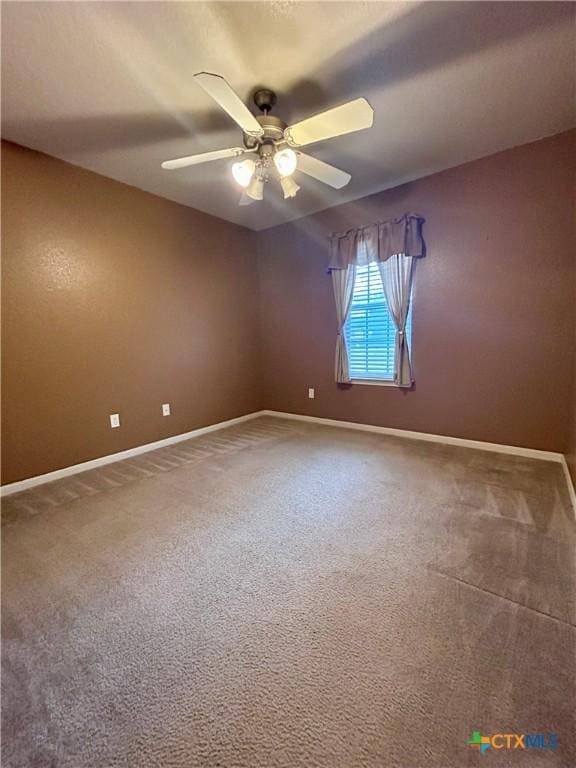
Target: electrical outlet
311,393
165,409
114,420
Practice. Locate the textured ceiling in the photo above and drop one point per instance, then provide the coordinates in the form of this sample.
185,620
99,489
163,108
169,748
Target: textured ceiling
108,86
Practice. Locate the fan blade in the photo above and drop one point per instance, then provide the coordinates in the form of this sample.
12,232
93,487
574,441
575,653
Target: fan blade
203,157
347,118
322,171
216,87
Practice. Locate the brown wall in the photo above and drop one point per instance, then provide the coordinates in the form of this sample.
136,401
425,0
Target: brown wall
493,317
571,444
115,300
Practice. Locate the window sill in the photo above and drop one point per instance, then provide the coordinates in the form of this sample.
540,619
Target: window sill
375,382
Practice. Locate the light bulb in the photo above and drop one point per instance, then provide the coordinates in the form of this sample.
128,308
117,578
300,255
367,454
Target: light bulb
255,189
289,187
285,161
243,172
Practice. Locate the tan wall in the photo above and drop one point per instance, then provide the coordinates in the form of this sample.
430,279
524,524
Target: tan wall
493,316
115,300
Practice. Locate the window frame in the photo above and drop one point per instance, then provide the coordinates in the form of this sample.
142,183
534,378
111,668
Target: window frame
375,382
385,382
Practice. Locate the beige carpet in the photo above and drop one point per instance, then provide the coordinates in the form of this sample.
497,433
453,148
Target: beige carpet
281,595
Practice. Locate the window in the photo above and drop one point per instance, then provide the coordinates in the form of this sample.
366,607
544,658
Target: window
370,331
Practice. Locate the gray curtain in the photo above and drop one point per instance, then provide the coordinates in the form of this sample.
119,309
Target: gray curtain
393,245
396,274
377,242
343,286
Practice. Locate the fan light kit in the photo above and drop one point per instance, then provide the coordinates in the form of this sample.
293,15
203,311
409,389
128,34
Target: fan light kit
274,145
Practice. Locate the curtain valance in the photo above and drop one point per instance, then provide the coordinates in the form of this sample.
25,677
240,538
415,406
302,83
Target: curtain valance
377,242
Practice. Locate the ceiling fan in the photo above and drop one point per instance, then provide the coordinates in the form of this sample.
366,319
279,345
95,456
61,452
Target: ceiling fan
273,146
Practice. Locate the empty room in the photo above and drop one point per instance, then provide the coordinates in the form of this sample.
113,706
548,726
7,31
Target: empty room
288,384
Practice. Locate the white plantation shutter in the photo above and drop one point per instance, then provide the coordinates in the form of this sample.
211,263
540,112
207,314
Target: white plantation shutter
370,330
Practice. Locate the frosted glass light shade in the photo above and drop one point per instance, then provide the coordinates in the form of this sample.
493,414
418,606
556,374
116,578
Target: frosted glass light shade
289,187
243,172
286,161
255,189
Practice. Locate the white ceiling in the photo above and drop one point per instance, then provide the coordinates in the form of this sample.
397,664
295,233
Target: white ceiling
108,86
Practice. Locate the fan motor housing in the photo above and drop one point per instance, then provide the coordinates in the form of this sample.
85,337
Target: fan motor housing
273,131
273,126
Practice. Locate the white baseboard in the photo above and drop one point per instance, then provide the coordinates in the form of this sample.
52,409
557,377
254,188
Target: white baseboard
514,450
531,453
30,482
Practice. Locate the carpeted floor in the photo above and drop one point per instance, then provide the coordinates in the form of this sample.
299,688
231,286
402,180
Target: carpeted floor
279,595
